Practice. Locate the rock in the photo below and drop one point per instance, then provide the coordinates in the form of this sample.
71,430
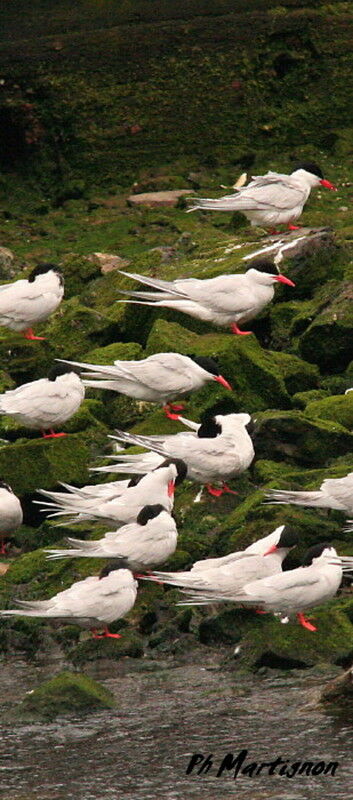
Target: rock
167,198
340,690
107,262
8,268
130,644
292,436
327,339
166,254
67,693
337,408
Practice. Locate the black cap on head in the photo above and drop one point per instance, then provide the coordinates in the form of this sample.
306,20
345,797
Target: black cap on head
264,265
314,552
135,480
61,369
118,563
207,363
180,466
149,512
41,269
309,166
288,537
209,429
4,485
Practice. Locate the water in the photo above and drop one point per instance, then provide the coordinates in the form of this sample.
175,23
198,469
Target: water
141,750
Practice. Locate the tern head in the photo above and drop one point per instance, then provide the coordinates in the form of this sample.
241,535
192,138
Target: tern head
149,512
265,272
43,269
210,428
324,550
4,485
312,174
118,563
211,367
287,538
62,369
178,472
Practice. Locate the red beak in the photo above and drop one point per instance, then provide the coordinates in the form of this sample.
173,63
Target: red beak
220,379
328,185
271,549
283,279
171,488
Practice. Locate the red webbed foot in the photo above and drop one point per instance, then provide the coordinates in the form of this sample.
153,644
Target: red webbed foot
293,227
105,635
234,328
226,489
52,434
168,412
305,622
28,334
3,550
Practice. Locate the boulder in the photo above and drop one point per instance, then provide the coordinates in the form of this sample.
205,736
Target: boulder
166,198
107,262
67,693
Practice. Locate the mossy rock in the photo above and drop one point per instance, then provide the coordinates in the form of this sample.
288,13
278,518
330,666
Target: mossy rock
42,463
293,437
256,375
78,270
126,351
265,642
301,399
67,693
338,409
130,644
328,339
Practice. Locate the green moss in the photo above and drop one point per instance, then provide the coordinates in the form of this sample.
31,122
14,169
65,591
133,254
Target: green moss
127,351
130,644
294,437
67,693
339,409
45,462
301,399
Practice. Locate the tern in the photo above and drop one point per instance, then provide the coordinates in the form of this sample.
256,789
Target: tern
31,300
159,378
224,301
11,515
272,199
155,488
286,593
144,544
47,403
229,574
91,603
336,493
217,450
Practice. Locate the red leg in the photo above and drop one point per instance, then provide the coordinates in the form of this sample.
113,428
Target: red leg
28,334
227,490
305,622
214,492
3,550
260,611
52,435
105,635
293,227
234,328
273,232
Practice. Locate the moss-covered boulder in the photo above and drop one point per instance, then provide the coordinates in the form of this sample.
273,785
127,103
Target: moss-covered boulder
294,437
264,641
327,341
339,409
67,693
